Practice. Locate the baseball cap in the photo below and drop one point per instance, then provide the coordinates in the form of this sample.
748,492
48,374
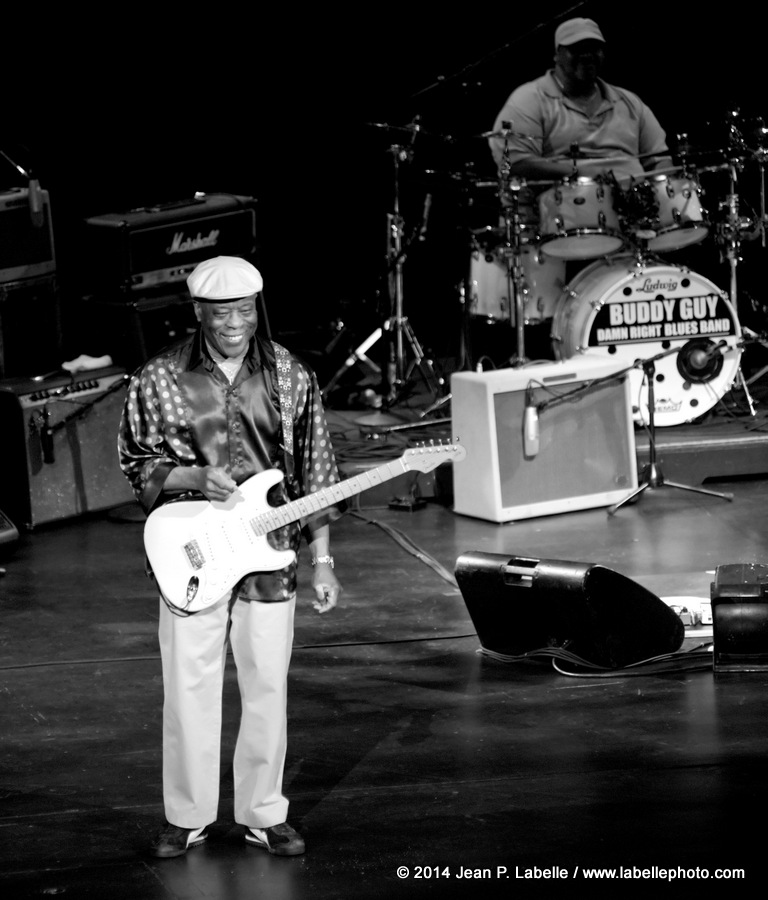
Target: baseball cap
575,30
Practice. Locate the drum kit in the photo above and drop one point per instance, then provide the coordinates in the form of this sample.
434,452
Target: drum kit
589,263
582,259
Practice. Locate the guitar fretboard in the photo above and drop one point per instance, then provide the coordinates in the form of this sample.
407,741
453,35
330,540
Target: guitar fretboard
279,516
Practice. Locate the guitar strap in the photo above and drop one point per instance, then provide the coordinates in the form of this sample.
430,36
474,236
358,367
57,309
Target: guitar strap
283,363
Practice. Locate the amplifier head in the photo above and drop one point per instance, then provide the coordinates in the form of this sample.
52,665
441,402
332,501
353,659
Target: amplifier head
160,245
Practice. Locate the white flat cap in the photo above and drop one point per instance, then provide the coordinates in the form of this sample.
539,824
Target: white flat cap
224,278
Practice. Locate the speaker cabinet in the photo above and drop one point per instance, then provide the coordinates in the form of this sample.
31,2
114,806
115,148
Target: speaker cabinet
26,235
30,310
129,330
546,438
59,446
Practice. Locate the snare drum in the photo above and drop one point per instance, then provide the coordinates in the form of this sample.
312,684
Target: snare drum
577,220
673,212
543,282
628,313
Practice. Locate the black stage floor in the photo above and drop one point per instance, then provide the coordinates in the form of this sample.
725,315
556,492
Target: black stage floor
417,767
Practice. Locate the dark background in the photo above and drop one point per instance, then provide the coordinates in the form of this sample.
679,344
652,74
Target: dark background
149,104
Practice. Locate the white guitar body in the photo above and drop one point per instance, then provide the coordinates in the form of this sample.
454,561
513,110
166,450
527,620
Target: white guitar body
199,549
212,542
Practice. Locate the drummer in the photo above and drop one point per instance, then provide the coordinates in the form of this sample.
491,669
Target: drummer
569,120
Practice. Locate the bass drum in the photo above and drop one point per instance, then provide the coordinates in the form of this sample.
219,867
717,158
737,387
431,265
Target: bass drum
630,313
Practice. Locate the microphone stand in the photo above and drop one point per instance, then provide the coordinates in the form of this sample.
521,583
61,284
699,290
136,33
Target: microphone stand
652,475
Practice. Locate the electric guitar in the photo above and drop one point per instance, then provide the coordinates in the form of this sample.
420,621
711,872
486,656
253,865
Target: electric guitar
200,549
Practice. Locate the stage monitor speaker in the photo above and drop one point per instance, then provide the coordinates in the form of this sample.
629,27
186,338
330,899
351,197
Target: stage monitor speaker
59,448
542,439
739,596
519,605
8,532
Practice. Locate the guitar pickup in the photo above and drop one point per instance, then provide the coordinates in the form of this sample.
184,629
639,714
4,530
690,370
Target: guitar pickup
194,555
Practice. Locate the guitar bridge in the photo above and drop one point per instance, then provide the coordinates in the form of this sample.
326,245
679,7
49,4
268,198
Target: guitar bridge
194,555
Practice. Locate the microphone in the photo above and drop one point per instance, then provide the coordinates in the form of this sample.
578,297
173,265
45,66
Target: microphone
699,357
701,360
425,217
416,128
36,203
46,437
530,426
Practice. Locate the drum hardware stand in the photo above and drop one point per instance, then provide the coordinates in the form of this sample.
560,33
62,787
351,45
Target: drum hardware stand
730,234
356,356
397,327
652,476
761,154
510,187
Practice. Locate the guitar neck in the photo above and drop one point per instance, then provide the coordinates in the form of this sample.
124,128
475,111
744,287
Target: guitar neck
279,516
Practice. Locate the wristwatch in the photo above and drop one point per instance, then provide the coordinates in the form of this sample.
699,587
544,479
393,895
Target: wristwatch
323,559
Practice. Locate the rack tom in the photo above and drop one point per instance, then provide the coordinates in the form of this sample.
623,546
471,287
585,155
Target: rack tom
577,220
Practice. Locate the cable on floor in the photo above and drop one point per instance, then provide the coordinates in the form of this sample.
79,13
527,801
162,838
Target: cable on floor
410,547
699,657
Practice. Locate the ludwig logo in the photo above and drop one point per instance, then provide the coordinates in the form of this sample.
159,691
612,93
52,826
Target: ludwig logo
183,244
653,286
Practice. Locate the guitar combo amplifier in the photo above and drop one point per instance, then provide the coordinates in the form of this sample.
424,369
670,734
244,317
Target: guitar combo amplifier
60,444
580,455
157,246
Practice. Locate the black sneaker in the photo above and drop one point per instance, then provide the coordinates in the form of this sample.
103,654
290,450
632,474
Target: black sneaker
175,841
279,840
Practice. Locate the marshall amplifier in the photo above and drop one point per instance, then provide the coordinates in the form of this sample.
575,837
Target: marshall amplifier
156,246
26,235
60,444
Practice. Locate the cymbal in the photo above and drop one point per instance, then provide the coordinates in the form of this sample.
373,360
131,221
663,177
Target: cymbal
583,157
412,129
504,132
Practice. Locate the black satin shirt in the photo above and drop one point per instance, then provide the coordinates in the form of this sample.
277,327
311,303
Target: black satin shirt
181,410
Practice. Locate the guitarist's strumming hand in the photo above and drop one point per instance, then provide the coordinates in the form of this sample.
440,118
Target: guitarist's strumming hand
212,481
216,483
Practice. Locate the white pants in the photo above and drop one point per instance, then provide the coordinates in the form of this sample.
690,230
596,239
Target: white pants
193,651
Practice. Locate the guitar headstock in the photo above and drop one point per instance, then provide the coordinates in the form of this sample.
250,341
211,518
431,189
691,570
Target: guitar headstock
429,456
